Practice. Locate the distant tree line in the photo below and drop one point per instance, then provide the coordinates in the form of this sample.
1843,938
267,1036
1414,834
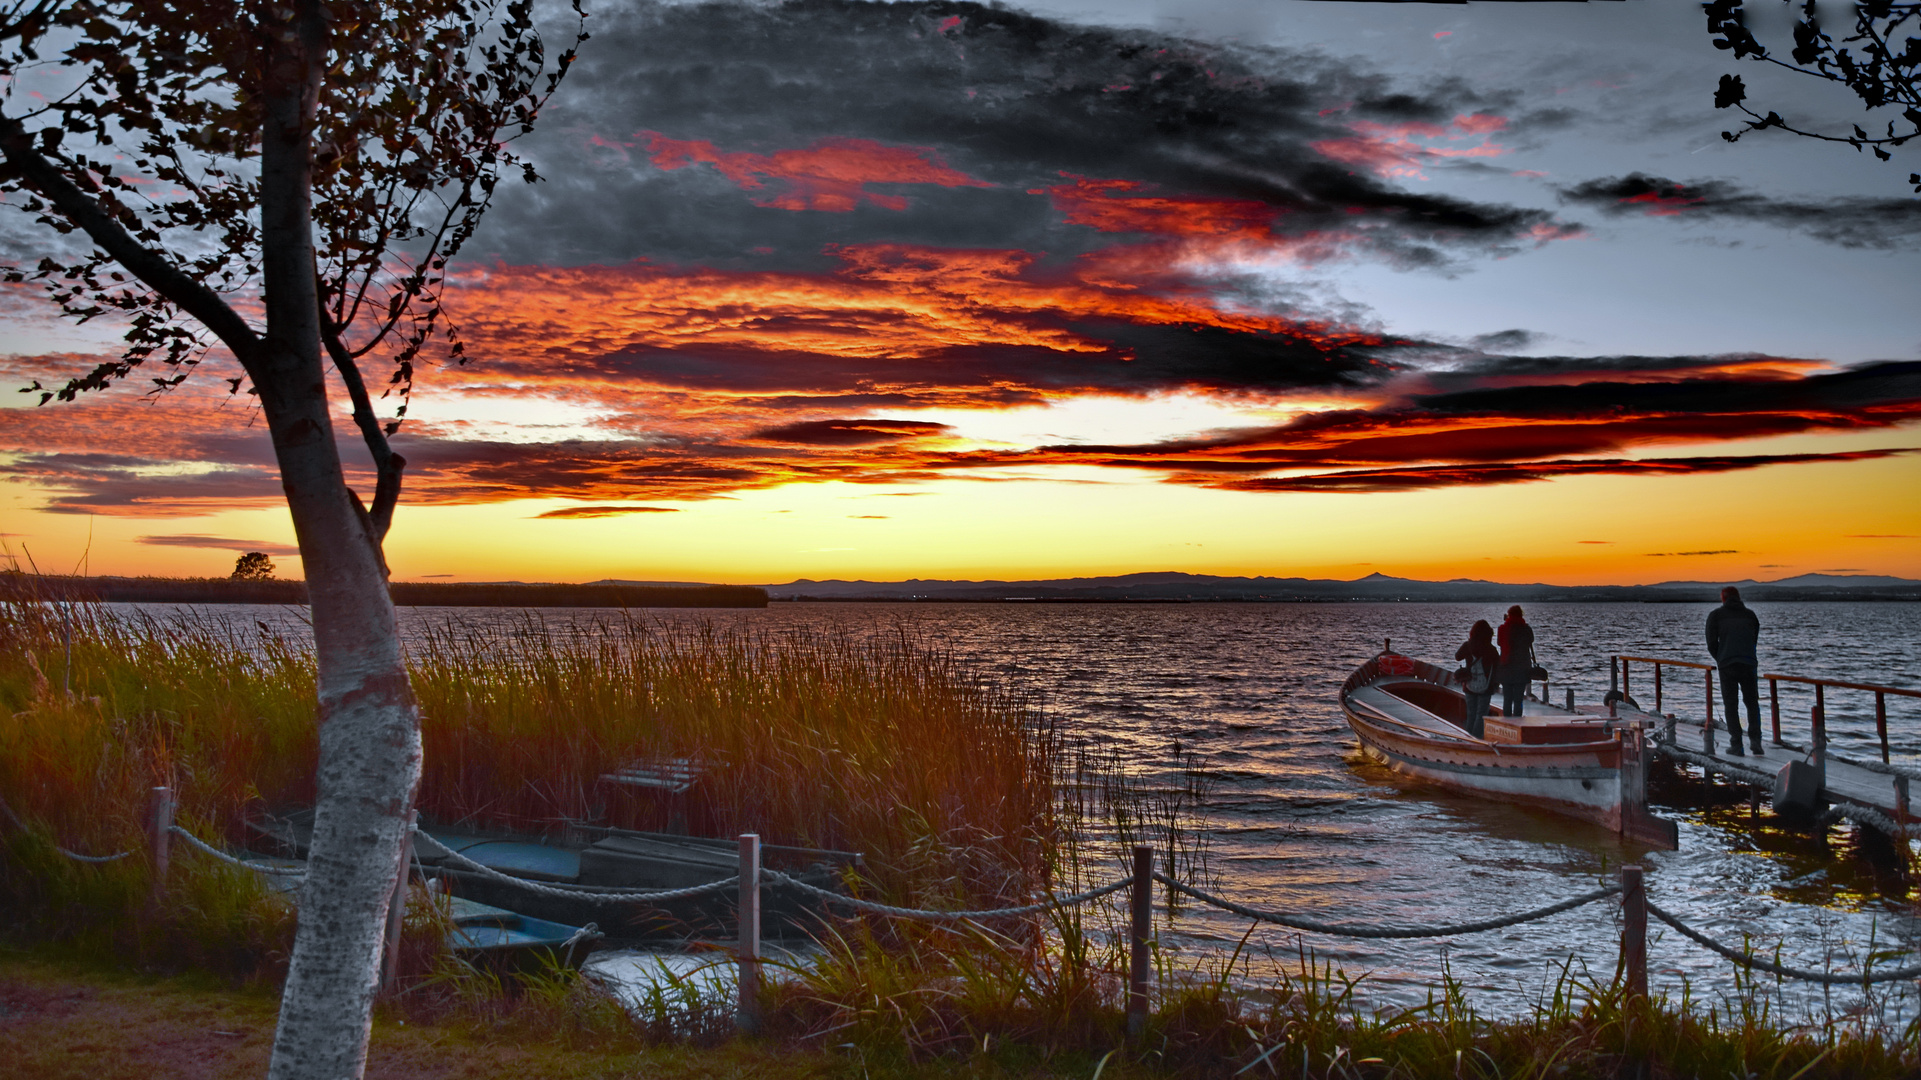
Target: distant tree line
229,590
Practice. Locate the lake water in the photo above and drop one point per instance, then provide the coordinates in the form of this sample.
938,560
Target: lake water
1295,819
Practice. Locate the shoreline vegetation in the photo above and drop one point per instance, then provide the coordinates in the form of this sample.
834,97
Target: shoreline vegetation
157,590
961,796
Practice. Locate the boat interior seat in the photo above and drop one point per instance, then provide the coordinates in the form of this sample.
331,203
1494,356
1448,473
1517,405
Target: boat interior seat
1403,710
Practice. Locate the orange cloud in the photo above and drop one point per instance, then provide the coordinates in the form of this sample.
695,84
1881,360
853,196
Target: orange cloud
831,175
1406,149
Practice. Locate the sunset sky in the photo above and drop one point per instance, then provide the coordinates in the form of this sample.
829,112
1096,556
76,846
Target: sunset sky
848,290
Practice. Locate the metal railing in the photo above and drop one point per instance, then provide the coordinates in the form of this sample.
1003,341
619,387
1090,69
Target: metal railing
1620,676
1821,703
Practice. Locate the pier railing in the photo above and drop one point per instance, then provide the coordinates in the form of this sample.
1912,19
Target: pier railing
1621,677
1819,714
753,878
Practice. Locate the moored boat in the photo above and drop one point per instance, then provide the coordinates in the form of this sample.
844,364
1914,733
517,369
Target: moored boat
1587,764
595,865
507,942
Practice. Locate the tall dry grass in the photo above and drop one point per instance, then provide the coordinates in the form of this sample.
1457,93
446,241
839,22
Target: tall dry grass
885,746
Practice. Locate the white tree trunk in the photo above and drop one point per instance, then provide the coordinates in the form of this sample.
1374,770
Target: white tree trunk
369,729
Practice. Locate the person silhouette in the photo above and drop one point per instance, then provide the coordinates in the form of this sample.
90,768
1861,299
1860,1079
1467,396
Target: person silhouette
1733,631
1517,660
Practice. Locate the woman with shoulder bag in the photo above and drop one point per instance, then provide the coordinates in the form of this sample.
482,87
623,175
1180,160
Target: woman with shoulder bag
1480,662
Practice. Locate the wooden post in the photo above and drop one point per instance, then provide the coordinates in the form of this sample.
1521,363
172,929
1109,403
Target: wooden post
747,1014
1614,674
1634,778
1634,932
1881,722
1570,699
159,821
1657,688
1137,968
1707,679
1820,744
1774,706
1901,815
1627,680
397,909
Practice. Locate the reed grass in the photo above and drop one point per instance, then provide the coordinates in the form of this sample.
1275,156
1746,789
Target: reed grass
967,995
884,747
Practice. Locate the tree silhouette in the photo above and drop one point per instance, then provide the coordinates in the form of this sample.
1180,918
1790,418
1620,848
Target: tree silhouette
1877,61
286,180
253,566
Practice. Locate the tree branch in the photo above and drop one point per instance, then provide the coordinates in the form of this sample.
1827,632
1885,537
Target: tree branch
387,464
185,293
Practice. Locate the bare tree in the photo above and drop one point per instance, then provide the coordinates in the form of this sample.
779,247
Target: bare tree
1878,61
285,180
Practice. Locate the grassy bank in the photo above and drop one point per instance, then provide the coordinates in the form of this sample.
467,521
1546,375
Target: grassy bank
62,1019
883,747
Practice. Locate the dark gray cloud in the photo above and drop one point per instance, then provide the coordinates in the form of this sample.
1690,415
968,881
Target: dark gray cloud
708,131
1849,221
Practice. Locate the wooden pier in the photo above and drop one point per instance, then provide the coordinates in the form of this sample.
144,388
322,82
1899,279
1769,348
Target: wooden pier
1809,779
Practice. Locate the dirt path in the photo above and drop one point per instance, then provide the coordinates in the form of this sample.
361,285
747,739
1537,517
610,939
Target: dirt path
64,1023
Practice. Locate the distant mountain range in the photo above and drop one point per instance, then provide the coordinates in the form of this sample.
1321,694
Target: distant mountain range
1174,587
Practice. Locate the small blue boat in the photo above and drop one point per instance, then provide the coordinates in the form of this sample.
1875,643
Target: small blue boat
505,941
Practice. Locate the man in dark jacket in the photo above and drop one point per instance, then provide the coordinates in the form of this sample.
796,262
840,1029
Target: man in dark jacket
1732,633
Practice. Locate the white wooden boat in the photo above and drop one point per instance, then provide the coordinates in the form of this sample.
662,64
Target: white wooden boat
1583,763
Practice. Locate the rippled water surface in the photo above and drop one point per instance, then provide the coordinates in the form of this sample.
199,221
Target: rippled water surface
1296,819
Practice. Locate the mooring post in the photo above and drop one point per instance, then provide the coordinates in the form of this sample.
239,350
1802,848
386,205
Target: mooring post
1634,777
1143,913
1614,674
1901,813
1820,743
1707,685
1881,722
1774,708
397,908
1657,688
1634,932
1570,698
747,1013
159,822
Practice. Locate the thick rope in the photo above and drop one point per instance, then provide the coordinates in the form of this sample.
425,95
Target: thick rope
1295,922
782,880
257,867
1748,961
575,892
74,855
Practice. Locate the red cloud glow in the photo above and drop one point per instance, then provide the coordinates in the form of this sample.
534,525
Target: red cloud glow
831,175
1405,149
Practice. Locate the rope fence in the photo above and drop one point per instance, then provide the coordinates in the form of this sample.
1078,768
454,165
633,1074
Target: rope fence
748,884
74,855
776,878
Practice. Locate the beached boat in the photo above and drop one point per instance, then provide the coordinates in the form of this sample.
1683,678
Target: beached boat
1584,763
507,942
609,860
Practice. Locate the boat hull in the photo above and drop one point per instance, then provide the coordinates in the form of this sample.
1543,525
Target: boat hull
1579,770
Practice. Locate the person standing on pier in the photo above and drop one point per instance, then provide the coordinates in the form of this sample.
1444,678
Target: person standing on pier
1733,631
1480,661
1517,660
